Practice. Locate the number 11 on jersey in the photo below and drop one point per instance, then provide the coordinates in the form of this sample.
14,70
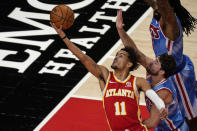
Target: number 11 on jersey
120,108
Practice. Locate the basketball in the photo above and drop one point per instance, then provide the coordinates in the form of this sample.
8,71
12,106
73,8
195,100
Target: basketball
62,15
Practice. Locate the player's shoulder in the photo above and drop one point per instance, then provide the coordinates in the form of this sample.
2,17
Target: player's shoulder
164,91
140,79
140,82
166,94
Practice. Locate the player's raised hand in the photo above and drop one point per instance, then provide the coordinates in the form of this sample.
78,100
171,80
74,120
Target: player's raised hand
119,20
58,30
163,113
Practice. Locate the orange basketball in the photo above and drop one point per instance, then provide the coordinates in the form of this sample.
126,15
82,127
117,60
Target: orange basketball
62,15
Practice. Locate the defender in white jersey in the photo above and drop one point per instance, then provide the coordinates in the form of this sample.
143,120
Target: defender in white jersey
170,19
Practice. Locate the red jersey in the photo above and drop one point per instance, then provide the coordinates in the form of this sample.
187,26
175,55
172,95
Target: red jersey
120,102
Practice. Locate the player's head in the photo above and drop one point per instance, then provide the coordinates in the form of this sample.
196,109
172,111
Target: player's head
163,65
126,58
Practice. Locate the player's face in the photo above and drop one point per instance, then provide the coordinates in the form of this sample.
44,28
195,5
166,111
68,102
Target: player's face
120,61
154,67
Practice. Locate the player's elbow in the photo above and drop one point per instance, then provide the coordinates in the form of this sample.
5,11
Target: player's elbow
152,122
149,123
152,125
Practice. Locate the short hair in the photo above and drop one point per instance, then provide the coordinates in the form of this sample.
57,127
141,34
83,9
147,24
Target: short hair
168,64
188,22
133,57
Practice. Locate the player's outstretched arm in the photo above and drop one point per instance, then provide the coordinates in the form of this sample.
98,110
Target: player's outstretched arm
97,70
127,41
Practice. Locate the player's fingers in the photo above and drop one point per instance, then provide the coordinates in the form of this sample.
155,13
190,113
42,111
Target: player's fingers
53,25
163,118
60,27
119,12
164,114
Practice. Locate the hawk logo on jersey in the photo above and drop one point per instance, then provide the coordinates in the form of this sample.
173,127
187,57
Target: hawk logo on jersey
128,84
154,31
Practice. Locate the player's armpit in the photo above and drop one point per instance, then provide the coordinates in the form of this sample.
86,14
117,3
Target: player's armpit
104,73
142,84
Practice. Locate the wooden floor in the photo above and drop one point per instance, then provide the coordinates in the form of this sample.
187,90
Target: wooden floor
141,36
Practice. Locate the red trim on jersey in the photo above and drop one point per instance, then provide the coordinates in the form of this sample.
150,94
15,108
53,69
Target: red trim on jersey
108,79
184,96
171,125
116,79
161,82
110,74
169,45
169,41
137,100
162,31
164,89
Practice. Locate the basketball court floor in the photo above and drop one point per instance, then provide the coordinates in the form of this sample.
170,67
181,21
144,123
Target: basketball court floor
80,106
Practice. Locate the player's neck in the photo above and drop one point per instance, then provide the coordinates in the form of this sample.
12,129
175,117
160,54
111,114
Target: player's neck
156,80
121,75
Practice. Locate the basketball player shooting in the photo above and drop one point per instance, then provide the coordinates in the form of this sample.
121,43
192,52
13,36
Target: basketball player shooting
120,88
